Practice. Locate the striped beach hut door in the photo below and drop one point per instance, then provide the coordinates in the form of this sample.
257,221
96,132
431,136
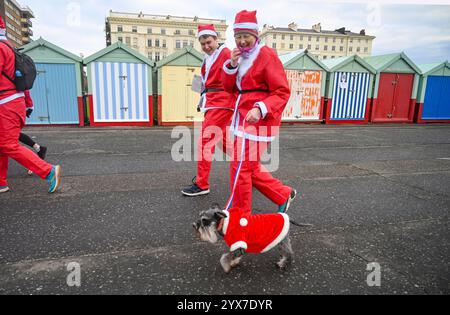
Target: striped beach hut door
350,94
120,92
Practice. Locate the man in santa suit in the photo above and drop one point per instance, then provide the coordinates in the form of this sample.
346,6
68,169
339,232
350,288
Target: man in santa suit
255,72
216,103
12,120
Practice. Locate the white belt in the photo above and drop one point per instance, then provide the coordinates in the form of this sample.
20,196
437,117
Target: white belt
12,98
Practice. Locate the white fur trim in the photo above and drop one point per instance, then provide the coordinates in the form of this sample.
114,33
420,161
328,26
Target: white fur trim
3,37
207,32
2,32
263,109
281,236
243,222
237,245
229,71
226,222
248,26
204,110
12,98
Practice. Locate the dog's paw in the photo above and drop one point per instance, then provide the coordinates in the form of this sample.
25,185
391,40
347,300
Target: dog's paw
225,263
283,263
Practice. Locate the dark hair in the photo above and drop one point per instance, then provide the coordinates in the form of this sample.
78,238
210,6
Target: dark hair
207,36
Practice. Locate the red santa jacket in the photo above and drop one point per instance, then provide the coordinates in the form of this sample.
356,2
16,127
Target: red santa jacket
212,79
7,65
255,233
263,83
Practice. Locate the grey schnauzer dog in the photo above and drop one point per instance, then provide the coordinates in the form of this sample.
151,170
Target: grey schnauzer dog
209,228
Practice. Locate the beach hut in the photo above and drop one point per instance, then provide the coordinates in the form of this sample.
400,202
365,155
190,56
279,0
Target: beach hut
395,90
434,93
177,103
120,87
307,77
349,90
57,92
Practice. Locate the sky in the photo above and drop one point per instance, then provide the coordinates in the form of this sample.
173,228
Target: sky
421,31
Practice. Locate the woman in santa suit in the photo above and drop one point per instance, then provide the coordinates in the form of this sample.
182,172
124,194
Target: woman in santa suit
216,103
256,74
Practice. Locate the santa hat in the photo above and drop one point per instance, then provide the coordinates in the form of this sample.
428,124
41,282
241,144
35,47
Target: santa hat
246,22
207,30
2,27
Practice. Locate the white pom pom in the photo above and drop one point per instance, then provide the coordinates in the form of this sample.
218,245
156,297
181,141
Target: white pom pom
244,222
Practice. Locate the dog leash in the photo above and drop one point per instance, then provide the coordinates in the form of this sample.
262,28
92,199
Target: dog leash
238,170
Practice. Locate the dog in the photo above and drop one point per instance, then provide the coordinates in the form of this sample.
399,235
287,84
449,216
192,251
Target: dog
245,233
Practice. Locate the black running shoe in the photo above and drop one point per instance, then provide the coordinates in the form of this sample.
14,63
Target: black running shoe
42,153
194,191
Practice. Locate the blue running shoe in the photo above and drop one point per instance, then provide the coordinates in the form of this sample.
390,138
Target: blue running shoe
285,206
53,178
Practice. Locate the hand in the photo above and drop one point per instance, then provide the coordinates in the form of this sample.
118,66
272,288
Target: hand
253,116
29,111
235,54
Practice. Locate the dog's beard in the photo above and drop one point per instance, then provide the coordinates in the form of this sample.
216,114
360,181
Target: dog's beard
208,234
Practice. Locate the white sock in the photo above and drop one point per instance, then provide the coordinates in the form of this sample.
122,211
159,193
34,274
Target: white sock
37,147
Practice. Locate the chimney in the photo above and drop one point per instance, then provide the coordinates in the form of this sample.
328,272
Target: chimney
317,27
341,30
293,26
363,32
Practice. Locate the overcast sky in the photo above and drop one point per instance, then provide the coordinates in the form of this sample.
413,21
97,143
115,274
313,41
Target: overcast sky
422,31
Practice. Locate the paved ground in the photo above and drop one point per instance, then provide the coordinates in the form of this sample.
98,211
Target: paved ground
373,194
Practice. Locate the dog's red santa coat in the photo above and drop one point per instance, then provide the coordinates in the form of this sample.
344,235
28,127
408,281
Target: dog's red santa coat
254,233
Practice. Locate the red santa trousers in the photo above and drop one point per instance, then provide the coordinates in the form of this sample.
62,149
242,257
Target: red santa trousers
253,174
215,120
12,120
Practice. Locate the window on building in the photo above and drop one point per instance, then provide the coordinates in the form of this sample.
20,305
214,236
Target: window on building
334,39
149,30
185,43
358,49
341,48
164,43
317,47
326,39
292,37
134,29
128,41
120,28
366,49
150,55
301,37
300,46
324,57
120,39
309,38
163,32
333,48
318,39
274,36
156,42
177,32
157,56
177,44
135,42
191,43
342,40
291,46
351,40
309,47
164,55
149,43
325,47
274,45
283,37
350,49
367,41
191,33
332,57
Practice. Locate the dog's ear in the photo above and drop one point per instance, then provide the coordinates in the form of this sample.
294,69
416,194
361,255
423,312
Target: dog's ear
215,206
220,215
